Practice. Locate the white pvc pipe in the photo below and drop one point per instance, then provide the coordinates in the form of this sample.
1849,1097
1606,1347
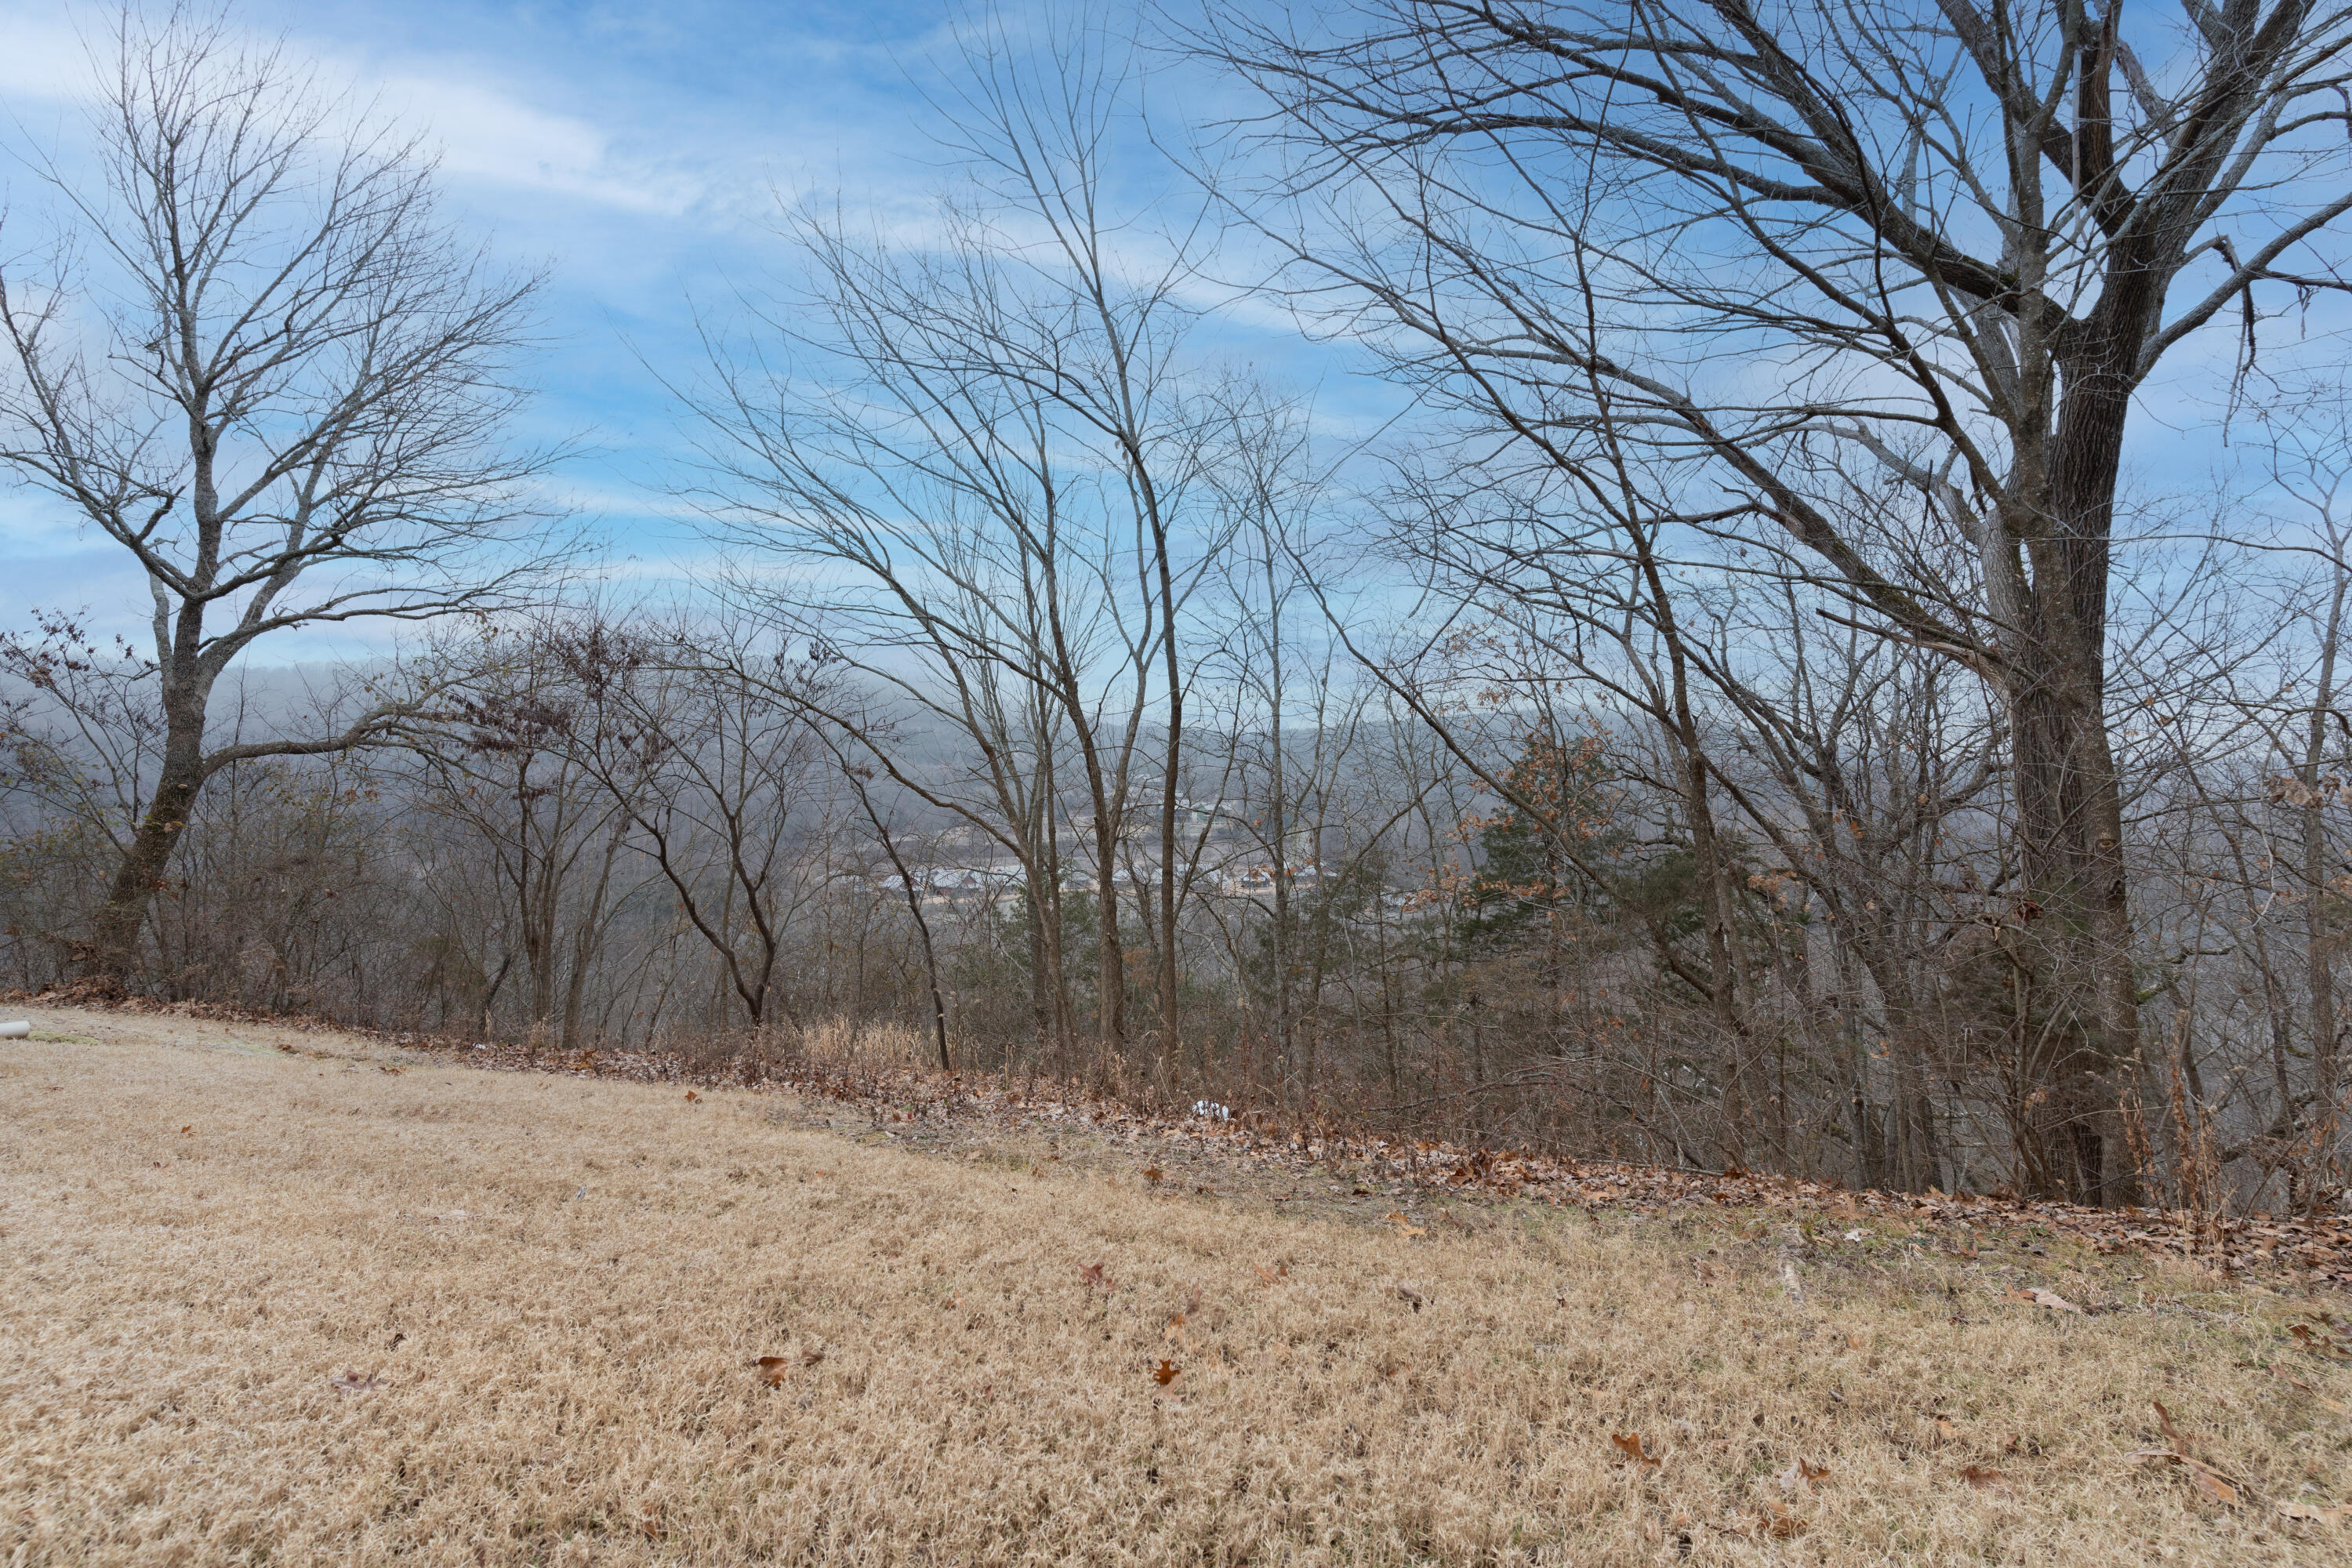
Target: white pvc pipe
22,1028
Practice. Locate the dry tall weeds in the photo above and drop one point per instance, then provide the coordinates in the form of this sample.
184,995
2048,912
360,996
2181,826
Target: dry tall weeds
260,1306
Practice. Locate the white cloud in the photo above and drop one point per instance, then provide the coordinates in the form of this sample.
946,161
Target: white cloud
488,135
45,62
485,131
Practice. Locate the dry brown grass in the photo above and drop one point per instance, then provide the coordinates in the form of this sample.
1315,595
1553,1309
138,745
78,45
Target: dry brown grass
564,1374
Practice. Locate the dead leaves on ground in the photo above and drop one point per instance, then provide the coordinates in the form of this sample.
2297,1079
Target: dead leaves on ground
1772,1520
2202,1475
1165,1372
1092,1274
2051,1298
1634,1449
775,1369
1802,1473
2321,1343
2325,1403
1404,1224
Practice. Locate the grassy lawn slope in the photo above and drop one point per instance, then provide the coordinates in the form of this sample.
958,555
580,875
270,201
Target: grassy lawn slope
261,1305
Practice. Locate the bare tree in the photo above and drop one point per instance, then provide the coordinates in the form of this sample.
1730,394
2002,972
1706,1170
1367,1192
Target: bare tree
719,780
995,454
1953,241
513,763
262,364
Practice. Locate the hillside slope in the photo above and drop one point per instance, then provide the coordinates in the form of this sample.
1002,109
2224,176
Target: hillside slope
297,1297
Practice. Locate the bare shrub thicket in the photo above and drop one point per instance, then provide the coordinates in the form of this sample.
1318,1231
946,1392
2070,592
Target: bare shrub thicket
1755,716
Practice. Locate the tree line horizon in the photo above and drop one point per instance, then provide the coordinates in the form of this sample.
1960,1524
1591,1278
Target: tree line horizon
1756,710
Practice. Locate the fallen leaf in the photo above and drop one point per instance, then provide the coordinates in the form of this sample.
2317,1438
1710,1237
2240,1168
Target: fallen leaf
352,1382
1854,1341
1814,1474
2310,1515
2041,1297
1093,1275
1154,1175
1979,1476
2318,1345
2163,1423
1165,1372
774,1368
1780,1524
691,1095
188,1128
2203,1478
1175,1332
2299,1385
1631,1442
1406,1225
1270,1276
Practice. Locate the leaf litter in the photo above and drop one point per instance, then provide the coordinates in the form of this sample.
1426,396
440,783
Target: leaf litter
2319,1249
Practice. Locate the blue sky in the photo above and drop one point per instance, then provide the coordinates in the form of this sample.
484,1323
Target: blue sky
636,149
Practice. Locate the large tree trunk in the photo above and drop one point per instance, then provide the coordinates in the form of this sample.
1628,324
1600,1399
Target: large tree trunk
2322,915
1170,1042
2069,797
114,956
